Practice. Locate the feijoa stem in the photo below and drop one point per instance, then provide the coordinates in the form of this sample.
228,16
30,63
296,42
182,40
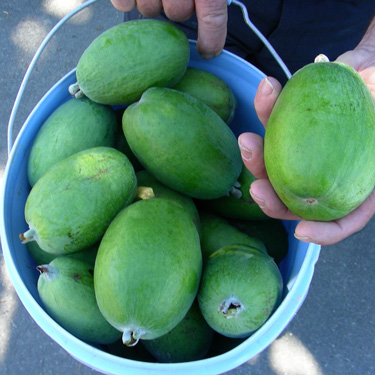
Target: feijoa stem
76,91
144,192
27,236
128,338
47,271
321,58
42,268
235,191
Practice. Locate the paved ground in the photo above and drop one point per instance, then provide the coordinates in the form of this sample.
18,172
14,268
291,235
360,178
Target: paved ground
333,332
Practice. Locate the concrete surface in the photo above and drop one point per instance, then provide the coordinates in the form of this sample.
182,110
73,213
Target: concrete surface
333,332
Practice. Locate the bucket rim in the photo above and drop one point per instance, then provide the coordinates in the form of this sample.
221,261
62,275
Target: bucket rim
100,360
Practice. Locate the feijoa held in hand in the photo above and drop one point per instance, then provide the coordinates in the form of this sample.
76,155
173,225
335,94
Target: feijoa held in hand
319,146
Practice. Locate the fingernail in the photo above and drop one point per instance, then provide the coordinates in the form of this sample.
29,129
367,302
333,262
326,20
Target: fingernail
302,238
260,202
207,56
266,88
245,152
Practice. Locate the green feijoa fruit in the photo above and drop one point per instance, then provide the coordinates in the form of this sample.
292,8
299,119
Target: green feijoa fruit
72,204
74,126
66,288
42,257
189,341
39,256
122,145
183,143
211,90
217,233
319,146
150,187
271,232
125,60
240,289
148,269
238,204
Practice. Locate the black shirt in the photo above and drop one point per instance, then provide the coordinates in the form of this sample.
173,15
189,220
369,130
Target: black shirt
298,30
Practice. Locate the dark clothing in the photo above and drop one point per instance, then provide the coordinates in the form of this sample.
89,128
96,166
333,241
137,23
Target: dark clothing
298,30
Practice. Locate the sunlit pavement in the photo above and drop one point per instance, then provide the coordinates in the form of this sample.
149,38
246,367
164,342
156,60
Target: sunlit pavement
333,332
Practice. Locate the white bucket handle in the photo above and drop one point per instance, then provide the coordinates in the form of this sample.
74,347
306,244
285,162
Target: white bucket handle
261,37
88,3
31,67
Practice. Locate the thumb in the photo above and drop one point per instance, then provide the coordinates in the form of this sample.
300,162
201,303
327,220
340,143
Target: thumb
350,58
212,19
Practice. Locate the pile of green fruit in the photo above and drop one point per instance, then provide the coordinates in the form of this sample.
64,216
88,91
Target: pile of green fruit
139,214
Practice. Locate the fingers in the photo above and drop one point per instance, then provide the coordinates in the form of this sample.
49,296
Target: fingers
350,58
322,233
265,98
212,26
149,8
124,5
328,233
251,146
178,11
211,15
263,194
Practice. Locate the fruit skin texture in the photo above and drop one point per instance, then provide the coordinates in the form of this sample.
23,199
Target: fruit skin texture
240,288
66,288
42,257
148,269
242,207
121,143
150,187
190,340
211,90
122,62
217,233
72,204
271,232
319,146
76,125
183,143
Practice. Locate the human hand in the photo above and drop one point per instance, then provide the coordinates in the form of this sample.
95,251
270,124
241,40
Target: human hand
324,233
211,15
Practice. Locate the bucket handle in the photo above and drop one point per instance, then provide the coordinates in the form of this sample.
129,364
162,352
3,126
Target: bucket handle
31,67
267,44
85,5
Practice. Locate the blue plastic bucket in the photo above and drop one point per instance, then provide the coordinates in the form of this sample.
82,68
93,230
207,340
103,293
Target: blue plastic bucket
297,268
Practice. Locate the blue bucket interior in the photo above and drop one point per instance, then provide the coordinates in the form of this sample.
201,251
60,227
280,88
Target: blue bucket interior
296,268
